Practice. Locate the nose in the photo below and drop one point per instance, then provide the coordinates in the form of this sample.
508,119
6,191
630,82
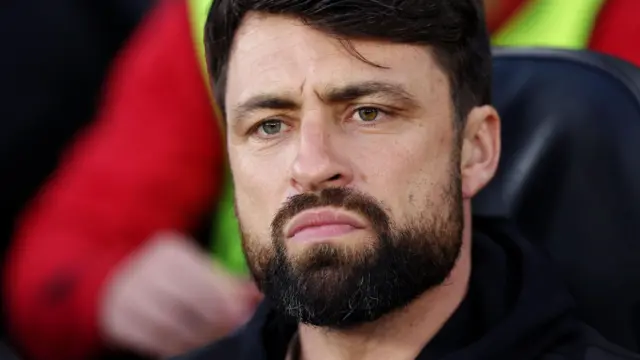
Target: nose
318,164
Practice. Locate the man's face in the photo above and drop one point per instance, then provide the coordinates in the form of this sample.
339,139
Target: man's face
347,175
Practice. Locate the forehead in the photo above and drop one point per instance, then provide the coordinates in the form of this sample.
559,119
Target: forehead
280,54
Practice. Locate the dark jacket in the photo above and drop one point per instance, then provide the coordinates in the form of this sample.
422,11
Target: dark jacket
515,309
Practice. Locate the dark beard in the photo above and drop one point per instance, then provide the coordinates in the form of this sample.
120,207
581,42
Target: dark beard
332,286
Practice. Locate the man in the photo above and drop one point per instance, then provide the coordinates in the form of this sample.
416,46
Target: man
358,132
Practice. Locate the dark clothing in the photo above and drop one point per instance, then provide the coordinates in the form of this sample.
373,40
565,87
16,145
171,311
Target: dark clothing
515,309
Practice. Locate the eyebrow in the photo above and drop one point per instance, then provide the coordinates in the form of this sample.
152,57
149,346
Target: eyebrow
263,102
343,94
353,92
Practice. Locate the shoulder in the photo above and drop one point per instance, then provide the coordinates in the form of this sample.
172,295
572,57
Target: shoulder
591,346
599,348
233,347
266,335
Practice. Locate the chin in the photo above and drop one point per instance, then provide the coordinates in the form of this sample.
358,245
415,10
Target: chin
330,255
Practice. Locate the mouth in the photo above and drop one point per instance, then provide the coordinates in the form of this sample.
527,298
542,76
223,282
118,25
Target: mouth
322,224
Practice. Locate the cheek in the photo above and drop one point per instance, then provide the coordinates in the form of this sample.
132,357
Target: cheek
259,190
409,175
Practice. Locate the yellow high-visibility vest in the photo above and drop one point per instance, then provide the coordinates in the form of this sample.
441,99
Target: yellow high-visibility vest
551,23
198,11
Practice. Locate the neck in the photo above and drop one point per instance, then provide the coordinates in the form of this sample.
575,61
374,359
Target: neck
398,335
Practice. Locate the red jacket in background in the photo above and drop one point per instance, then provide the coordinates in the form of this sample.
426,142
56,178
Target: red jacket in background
152,161
617,30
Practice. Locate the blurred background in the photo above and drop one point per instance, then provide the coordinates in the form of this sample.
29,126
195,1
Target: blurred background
116,217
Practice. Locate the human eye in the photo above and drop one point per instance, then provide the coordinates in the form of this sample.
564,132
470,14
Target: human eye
368,114
269,128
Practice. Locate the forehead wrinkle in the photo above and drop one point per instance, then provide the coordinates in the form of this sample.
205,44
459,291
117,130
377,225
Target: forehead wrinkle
304,82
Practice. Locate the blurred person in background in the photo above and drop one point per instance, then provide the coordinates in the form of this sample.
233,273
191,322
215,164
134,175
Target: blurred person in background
608,26
54,59
104,259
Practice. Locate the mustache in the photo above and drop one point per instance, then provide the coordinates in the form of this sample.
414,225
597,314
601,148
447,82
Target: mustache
346,198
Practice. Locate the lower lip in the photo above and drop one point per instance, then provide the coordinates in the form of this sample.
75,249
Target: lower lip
322,233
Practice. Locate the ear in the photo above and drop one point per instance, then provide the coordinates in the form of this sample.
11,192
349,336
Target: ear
480,149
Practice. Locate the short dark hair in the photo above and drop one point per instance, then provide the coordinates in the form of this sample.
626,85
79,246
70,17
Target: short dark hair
455,29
